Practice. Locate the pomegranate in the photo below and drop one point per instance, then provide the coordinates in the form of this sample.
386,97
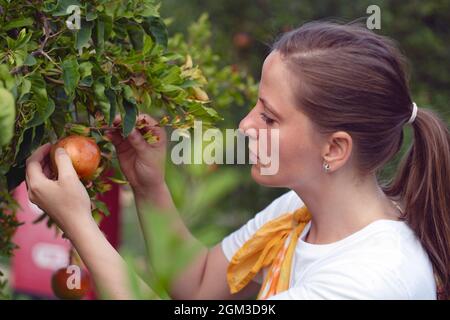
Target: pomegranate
84,153
71,283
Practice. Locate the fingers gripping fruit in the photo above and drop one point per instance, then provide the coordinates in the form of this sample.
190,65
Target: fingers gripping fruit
84,153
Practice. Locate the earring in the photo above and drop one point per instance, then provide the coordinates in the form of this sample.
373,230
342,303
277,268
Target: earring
326,166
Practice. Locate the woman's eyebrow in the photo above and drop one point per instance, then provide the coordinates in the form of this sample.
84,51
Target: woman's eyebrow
269,107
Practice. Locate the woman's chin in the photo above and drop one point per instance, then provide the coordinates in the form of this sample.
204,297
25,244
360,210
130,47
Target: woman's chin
265,180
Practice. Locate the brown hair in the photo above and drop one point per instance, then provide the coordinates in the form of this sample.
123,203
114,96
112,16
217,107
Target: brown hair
356,81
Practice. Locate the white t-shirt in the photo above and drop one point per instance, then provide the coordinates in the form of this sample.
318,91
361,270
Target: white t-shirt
384,260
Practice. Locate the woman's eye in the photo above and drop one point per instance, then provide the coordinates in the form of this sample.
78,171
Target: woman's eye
266,119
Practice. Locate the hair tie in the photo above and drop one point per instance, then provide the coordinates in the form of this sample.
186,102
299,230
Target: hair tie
413,114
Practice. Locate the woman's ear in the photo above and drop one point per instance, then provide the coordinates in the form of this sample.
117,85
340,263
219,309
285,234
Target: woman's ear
337,150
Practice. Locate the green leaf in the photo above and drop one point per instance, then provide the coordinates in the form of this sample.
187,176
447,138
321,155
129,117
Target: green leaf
71,75
136,35
58,121
213,113
85,69
168,88
99,36
30,139
19,56
38,134
23,39
7,116
113,105
128,94
155,27
108,26
25,87
6,80
30,60
102,207
86,73
39,90
24,145
63,5
147,8
90,16
171,75
84,34
118,181
130,117
18,23
41,115
102,100
148,44
146,102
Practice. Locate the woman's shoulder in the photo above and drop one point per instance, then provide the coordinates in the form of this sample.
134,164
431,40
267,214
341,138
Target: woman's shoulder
394,238
392,245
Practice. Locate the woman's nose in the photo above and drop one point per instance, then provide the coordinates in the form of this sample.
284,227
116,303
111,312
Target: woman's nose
248,125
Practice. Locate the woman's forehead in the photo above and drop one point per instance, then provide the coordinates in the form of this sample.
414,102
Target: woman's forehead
274,84
271,64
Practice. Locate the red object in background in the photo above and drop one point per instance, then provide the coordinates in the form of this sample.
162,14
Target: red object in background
111,225
41,251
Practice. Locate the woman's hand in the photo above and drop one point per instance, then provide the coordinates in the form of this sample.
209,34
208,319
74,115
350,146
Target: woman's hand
65,200
141,162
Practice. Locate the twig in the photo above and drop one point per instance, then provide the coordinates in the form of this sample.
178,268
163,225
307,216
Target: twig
80,86
57,33
54,80
104,128
46,30
47,35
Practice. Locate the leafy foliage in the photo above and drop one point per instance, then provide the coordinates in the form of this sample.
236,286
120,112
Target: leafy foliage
57,80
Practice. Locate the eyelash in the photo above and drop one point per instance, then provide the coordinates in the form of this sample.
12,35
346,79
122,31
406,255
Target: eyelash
266,119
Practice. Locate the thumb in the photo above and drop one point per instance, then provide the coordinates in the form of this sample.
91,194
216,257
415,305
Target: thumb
64,164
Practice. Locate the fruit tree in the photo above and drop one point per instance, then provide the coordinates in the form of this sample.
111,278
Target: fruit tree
68,67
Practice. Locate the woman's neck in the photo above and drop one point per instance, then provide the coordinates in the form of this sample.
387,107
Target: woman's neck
339,211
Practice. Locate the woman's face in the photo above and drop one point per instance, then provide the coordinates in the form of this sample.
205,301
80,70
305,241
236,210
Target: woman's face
300,161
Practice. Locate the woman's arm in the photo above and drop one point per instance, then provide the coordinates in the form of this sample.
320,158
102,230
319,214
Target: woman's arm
205,276
104,263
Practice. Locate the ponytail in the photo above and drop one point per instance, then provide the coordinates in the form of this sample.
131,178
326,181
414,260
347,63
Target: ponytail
422,183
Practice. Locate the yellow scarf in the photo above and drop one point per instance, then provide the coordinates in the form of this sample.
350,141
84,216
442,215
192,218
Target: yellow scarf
273,244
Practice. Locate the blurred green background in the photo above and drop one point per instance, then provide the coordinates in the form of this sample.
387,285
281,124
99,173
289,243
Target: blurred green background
239,33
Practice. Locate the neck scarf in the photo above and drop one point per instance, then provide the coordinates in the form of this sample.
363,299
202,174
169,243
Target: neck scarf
272,245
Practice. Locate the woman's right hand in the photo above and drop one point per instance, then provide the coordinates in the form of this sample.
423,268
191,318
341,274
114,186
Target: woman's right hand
141,162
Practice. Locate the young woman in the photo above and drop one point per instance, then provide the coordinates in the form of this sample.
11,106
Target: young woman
338,94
